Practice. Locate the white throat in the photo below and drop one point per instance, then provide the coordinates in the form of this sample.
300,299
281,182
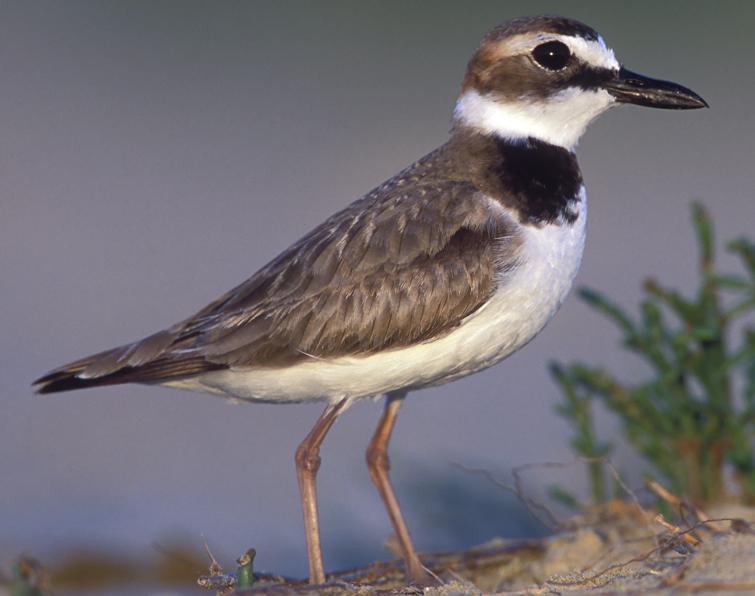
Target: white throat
559,120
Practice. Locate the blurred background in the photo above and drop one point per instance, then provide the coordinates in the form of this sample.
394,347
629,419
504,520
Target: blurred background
154,154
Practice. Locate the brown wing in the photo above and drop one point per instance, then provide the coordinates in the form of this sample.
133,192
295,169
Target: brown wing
406,263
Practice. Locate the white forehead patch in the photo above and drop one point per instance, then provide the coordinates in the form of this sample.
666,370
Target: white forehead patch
594,53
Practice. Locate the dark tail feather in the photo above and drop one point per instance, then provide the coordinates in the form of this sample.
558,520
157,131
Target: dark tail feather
68,381
71,376
66,378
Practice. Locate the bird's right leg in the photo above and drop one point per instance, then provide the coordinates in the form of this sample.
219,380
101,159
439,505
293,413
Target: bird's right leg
307,464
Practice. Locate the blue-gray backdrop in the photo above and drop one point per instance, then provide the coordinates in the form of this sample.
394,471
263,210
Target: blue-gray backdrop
154,154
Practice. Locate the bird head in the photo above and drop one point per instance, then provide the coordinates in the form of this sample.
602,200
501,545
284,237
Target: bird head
548,78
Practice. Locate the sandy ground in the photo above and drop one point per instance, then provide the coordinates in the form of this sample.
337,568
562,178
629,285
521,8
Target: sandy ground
617,558
618,549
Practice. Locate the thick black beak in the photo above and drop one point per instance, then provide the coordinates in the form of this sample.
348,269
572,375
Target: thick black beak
630,87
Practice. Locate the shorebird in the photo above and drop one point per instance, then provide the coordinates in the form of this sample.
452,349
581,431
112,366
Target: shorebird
441,271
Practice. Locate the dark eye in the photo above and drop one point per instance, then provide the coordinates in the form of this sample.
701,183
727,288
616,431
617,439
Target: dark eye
552,55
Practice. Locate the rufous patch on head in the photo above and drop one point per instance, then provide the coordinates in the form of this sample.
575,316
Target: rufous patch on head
488,54
504,67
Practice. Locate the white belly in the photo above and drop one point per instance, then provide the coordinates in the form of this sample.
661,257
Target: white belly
525,301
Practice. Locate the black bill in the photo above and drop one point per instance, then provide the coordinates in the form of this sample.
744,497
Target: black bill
630,87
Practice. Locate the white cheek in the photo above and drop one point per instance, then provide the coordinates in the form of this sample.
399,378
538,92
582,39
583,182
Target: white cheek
560,120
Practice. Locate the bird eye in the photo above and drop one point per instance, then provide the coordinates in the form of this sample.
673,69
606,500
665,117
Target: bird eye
552,55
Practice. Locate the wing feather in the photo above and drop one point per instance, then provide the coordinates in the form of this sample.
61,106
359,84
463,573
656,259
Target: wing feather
405,264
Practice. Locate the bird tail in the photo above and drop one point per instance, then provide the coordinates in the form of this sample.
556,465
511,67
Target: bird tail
71,376
147,361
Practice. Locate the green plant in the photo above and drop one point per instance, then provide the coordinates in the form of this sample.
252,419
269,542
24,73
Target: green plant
695,415
578,410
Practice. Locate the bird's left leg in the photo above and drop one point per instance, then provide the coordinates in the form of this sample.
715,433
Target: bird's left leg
379,465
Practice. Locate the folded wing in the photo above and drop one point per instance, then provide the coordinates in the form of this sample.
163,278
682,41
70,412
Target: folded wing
405,264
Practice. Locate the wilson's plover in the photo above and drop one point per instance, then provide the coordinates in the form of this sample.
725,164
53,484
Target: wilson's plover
441,271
